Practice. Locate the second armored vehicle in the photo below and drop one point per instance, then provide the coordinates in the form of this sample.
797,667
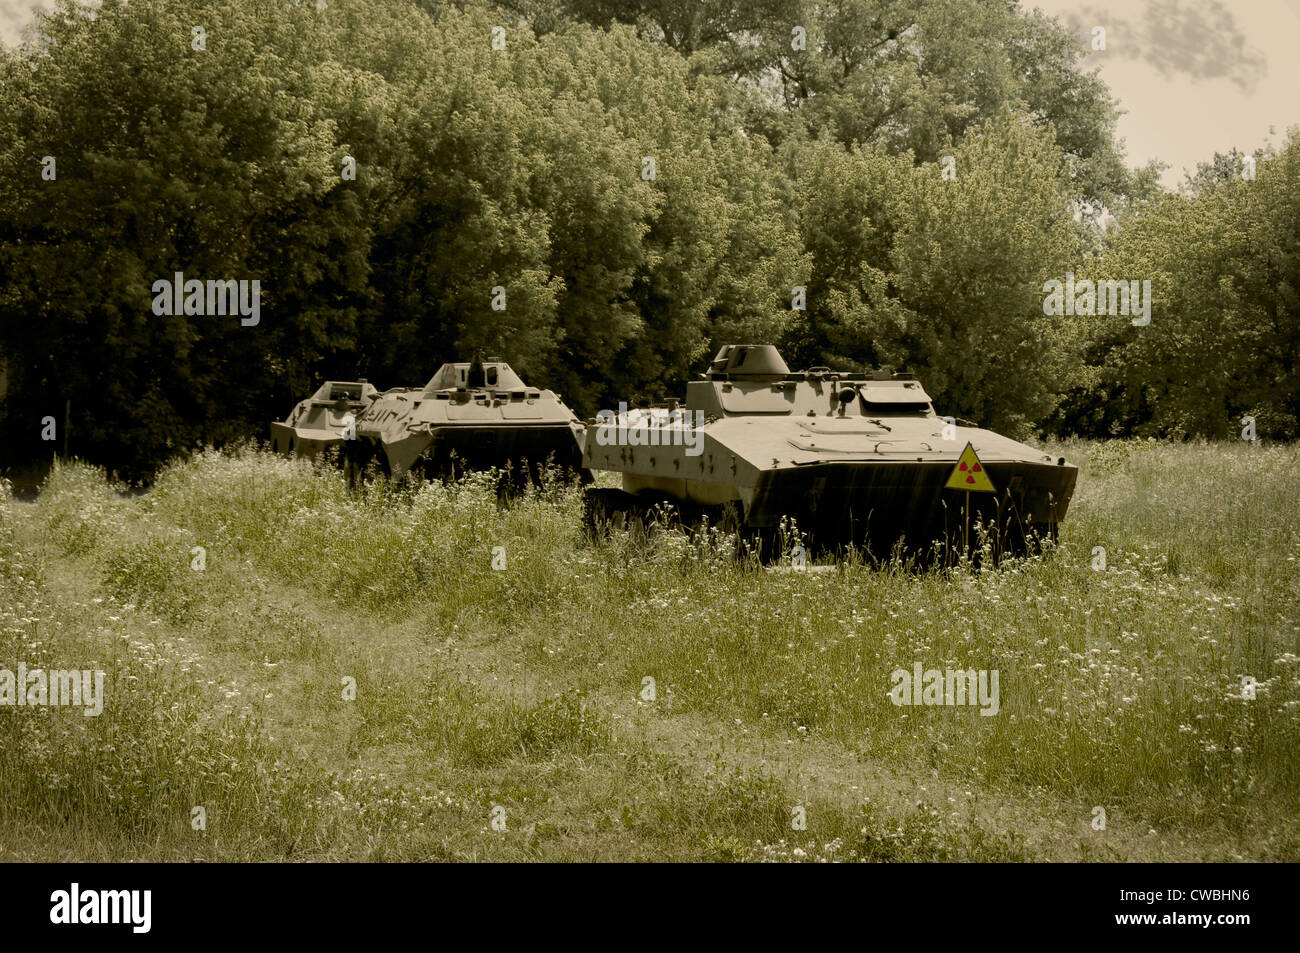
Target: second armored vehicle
470,416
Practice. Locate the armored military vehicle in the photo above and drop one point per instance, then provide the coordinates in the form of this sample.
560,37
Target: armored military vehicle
852,459
470,416
324,419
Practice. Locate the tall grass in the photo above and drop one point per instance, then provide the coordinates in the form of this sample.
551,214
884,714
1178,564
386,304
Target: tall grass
1120,686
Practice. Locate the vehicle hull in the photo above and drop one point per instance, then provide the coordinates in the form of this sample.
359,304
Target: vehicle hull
879,506
449,450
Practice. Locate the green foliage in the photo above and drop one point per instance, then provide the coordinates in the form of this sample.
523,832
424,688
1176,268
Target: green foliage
476,168
942,276
901,75
217,164
522,168
1224,337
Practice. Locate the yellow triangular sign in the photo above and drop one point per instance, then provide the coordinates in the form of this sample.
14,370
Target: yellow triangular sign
969,474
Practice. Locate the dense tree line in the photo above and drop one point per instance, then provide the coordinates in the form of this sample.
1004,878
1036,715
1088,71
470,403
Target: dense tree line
1224,339
602,193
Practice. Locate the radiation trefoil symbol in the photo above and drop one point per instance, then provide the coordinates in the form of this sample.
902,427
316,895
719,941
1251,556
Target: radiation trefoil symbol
969,474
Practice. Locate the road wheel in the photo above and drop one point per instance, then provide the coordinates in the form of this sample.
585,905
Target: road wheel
605,509
729,518
356,456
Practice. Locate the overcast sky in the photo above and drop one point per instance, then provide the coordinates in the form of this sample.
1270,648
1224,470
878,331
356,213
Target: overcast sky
14,15
1195,76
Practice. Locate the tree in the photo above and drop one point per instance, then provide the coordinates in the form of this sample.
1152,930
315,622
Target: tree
943,276
168,159
1224,338
906,75
404,193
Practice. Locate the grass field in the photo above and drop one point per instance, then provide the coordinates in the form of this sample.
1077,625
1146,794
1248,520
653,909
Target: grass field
518,696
